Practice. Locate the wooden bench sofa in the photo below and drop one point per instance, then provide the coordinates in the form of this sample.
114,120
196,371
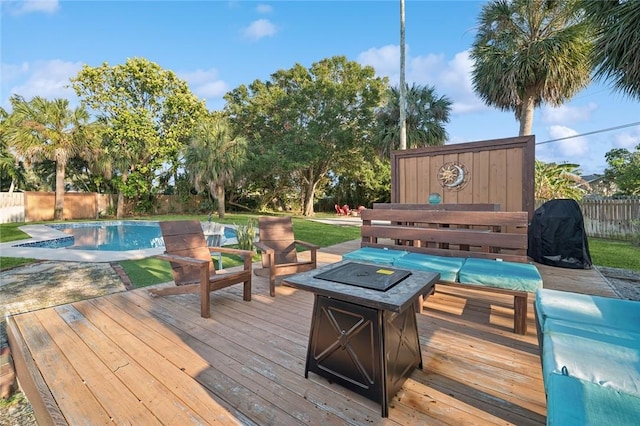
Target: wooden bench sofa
483,250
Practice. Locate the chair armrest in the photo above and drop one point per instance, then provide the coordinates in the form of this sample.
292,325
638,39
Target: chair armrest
182,259
306,244
263,247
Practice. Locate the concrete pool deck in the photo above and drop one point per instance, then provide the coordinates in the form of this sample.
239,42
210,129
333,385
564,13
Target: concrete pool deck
44,233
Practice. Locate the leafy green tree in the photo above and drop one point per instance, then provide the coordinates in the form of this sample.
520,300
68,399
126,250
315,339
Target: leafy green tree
304,122
426,114
213,156
624,170
558,181
147,115
617,45
530,52
11,170
42,129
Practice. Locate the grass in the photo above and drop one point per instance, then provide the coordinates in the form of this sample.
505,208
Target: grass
614,254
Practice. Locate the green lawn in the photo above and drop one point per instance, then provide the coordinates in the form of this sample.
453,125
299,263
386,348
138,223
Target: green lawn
614,254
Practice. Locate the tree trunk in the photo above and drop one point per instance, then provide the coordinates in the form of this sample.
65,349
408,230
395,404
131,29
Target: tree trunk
220,197
526,116
403,91
59,203
120,205
310,189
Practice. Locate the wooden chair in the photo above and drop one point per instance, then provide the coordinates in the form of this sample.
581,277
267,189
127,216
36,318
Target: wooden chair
192,265
278,248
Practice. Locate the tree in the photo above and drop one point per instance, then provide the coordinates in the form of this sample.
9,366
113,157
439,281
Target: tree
213,156
617,45
426,115
624,170
558,181
41,130
303,122
147,115
530,52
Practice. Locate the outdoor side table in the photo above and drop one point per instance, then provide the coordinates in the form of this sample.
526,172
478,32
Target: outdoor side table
364,339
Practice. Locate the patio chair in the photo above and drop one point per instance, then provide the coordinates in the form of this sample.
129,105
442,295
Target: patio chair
278,248
213,234
192,265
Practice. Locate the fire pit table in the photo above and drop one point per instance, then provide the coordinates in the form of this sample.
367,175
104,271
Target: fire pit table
364,333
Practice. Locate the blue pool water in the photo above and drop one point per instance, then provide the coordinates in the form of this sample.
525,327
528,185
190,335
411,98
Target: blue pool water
114,235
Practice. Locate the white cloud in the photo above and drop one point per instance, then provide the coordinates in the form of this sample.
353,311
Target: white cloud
49,79
385,60
450,78
566,114
264,8
205,83
259,29
572,148
627,140
22,7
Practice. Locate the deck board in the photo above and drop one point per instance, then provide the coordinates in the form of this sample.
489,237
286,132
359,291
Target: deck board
132,358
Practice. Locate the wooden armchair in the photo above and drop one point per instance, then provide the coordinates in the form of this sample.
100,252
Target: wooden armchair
192,265
278,248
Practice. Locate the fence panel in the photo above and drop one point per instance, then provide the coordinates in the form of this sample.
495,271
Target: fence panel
611,219
11,207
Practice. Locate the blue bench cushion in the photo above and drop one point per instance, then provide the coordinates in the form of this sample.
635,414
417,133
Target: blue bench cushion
596,310
375,255
605,356
571,401
507,275
448,267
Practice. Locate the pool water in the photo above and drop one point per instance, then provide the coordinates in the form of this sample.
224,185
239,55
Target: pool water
117,235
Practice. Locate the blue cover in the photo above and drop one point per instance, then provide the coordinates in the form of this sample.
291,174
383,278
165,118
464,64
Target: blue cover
448,267
571,401
507,275
596,310
375,255
604,356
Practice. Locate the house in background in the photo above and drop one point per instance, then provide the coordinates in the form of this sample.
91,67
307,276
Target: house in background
598,185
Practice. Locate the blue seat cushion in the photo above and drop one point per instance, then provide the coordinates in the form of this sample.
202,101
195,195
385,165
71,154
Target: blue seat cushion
571,401
494,273
448,267
605,356
375,255
596,310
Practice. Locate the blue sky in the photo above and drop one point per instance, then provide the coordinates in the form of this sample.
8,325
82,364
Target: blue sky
217,45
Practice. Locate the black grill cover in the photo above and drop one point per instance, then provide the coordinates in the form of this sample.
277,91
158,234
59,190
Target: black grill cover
557,236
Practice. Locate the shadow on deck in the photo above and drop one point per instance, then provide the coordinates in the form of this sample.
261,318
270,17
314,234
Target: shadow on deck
131,358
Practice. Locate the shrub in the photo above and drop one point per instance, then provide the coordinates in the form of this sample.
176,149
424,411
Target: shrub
246,234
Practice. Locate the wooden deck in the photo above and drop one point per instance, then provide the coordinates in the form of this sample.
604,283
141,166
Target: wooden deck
128,358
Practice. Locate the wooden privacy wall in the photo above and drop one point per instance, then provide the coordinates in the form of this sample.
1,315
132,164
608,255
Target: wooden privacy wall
499,171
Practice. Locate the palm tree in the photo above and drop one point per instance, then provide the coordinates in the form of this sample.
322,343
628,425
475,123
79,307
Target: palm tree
48,130
213,156
617,46
529,52
403,92
426,115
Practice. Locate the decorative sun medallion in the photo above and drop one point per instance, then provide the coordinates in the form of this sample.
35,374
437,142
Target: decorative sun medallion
453,176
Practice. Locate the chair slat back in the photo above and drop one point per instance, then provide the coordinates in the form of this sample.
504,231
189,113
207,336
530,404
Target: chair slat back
185,238
277,233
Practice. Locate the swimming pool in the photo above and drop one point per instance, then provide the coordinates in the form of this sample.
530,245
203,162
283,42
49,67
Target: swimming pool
113,236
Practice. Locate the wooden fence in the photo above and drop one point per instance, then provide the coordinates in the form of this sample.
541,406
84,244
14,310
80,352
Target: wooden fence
611,219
